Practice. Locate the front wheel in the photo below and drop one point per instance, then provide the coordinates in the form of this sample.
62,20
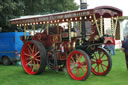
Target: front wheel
78,65
101,62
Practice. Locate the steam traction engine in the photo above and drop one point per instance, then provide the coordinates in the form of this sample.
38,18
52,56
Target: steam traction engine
78,48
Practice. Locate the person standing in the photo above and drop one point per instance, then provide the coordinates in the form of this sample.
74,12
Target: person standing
125,49
112,46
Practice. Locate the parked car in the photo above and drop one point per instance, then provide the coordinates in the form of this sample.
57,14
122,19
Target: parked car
10,47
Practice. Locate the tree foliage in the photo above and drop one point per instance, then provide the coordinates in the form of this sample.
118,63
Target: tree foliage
10,9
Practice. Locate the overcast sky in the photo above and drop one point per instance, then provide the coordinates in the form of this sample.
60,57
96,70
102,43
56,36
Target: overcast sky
121,4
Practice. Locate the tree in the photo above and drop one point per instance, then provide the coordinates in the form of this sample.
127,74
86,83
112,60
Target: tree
52,6
48,6
10,9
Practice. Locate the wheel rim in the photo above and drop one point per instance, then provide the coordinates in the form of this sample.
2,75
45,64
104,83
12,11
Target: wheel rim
30,58
100,62
77,65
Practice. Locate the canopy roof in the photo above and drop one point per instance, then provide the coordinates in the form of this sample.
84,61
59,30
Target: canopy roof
105,11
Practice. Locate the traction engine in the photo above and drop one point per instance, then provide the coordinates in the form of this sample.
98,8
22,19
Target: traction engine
78,49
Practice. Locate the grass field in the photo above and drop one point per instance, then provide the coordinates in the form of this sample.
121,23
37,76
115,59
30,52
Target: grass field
14,75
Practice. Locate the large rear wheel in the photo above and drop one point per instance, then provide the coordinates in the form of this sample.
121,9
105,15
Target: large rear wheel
33,57
78,65
101,62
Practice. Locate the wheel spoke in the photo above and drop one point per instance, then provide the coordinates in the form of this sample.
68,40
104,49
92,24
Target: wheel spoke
93,62
95,56
77,72
93,59
73,68
83,70
27,54
72,64
36,64
33,67
38,56
95,66
28,59
28,63
105,60
99,55
33,48
30,48
79,58
84,66
84,63
102,67
37,60
102,56
73,60
36,49
36,53
98,68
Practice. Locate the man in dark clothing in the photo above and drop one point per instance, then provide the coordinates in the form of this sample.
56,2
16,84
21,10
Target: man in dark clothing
125,49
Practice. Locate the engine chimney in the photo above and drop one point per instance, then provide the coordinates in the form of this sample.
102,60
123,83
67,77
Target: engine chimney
83,4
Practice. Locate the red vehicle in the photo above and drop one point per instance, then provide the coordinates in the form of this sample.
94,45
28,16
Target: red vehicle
77,46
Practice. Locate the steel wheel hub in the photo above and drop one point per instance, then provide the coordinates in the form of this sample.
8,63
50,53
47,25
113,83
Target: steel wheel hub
78,65
99,61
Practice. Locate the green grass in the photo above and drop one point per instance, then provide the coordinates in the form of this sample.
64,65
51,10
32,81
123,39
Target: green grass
14,75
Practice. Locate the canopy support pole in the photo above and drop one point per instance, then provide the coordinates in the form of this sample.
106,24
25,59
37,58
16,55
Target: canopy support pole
69,30
47,29
83,28
25,32
33,26
43,26
101,25
97,25
112,21
80,32
116,25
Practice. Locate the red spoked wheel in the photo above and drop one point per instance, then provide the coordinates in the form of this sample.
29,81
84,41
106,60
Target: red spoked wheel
78,65
33,57
101,62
